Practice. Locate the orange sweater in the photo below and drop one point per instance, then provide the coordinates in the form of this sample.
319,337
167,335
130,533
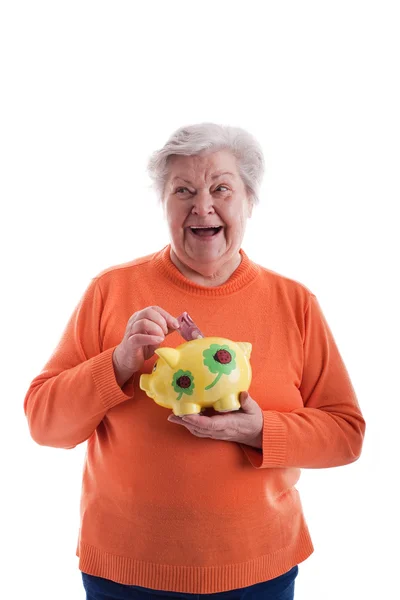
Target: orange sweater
160,507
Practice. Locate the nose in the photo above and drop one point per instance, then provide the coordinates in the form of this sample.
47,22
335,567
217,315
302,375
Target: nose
203,203
144,382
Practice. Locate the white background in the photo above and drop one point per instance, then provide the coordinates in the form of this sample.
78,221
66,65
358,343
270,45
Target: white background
89,90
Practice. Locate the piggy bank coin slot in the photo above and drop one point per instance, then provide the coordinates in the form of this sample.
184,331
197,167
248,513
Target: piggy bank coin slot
188,328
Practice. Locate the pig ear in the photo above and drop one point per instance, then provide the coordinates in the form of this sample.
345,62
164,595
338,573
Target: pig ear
246,347
170,355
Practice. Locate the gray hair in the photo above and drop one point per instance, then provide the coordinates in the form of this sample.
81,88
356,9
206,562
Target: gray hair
210,137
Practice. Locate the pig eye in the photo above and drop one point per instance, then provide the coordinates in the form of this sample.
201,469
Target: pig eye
154,367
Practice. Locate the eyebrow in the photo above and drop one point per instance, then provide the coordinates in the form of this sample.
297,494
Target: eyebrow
220,174
213,177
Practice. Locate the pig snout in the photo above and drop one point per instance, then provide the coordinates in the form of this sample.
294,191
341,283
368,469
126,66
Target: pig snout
144,384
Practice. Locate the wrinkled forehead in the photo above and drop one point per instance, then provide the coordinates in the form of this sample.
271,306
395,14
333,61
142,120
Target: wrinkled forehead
204,167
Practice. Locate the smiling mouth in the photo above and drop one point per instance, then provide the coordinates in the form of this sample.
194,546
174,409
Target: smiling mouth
205,232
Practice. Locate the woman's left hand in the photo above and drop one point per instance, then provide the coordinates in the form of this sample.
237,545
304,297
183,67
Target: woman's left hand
244,425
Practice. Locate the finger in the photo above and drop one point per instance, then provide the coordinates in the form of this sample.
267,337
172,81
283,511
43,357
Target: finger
150,316
196,336
248,404
158,315
165,316
174,419
216,435
198,431
201,434
144,339
150,327
180,421
213,423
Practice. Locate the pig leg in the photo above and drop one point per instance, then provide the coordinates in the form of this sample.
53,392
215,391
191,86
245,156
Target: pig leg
227,403
186,408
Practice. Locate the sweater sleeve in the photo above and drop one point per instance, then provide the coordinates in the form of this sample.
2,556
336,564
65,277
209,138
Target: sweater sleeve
329,430
69,398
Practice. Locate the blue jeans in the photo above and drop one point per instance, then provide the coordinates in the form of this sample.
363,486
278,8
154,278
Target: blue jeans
279,588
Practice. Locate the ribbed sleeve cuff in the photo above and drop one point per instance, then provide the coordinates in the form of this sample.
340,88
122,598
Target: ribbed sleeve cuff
104,377
274,443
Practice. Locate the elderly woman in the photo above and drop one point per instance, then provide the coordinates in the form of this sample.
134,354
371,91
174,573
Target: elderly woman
204,504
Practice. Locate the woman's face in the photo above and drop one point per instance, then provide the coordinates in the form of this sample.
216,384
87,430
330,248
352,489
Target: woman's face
206,191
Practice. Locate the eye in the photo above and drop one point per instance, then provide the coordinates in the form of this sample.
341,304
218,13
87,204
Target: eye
182,190
222,186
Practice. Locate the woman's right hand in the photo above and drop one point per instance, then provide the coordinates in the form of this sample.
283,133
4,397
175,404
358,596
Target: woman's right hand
145,331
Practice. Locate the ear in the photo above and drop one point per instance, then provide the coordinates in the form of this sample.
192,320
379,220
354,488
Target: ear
250,205
169,355
246,347
163,206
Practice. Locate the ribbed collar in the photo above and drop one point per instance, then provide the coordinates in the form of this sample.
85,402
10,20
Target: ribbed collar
245,273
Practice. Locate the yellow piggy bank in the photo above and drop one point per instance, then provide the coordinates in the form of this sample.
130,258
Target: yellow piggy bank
210,371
